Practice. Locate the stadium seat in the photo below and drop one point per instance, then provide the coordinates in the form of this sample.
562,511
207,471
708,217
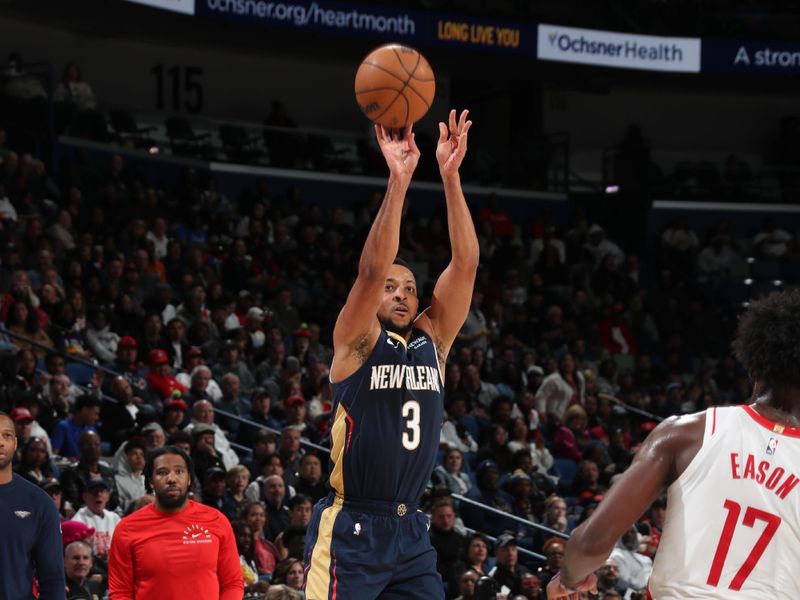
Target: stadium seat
183,139
567,469
126,127
239,145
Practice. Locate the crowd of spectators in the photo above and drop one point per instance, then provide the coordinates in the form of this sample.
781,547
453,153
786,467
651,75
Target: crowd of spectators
204,321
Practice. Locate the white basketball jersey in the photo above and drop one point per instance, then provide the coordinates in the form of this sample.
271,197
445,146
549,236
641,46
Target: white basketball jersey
733,517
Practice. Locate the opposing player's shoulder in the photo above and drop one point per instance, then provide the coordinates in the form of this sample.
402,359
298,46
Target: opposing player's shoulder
678,430
676,440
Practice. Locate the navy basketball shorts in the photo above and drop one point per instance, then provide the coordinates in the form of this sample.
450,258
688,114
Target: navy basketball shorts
366,550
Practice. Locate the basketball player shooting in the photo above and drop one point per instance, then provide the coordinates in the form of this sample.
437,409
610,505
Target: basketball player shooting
368,539
732,529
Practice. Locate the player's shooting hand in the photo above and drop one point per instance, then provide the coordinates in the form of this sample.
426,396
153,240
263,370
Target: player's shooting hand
555,589
452,145
402,155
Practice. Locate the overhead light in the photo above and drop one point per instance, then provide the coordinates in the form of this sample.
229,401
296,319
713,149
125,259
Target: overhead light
751,260
612,189
748,281
152,150
777,282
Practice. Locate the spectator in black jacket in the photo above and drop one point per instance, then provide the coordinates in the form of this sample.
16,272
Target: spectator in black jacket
89,467
447,542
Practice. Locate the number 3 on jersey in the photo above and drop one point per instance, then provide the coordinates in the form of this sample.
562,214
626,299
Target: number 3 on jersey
411,415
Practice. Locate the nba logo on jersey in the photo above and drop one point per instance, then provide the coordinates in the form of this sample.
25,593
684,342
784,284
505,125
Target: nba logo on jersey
772,446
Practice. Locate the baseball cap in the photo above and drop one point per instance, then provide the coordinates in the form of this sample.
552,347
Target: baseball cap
157,357
505,540
201,428
295,399
302,331
487,464
20,414
51,483
153,426
212,472
176,404
518,475
93,482
127,341
255,313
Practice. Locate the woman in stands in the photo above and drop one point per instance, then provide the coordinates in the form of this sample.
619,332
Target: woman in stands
72,88
23,321
450,474
34,464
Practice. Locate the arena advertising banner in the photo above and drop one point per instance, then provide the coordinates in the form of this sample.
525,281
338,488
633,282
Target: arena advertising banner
182,6
482,34
331,17
732,56
395,24
618,50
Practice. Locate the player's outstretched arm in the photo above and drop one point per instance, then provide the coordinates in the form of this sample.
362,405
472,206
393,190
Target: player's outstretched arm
357,320
662,457
452,294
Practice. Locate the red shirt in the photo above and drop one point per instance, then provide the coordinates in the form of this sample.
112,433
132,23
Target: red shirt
190,554
165,385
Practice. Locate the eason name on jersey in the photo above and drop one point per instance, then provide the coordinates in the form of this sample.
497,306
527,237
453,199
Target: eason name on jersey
764,473
395,377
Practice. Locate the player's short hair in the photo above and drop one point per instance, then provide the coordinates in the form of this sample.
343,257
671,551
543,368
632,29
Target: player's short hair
87,400
150,465
403,263
297,500
768,340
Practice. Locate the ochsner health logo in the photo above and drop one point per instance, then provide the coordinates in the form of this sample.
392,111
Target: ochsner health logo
618,50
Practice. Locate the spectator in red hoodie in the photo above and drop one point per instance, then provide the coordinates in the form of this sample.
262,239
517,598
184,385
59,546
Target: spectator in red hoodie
160,375
615,334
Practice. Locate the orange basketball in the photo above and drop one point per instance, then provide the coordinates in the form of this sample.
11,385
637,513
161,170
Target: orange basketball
394,86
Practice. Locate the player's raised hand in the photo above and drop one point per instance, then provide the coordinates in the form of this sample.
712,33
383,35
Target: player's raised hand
401,154
556,589
452,146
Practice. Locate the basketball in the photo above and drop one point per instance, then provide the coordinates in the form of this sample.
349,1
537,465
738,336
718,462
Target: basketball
394,86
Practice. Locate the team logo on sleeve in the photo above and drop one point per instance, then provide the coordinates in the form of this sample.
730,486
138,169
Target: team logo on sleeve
196,534
772,446
22,514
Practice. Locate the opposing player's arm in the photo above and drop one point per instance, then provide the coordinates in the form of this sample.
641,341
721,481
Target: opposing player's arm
357,321
452,293
662,457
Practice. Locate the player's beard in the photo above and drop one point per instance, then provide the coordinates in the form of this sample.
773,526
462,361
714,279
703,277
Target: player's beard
170,502
390,325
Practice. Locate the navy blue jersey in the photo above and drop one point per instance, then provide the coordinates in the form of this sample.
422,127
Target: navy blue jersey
387,417
30,542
